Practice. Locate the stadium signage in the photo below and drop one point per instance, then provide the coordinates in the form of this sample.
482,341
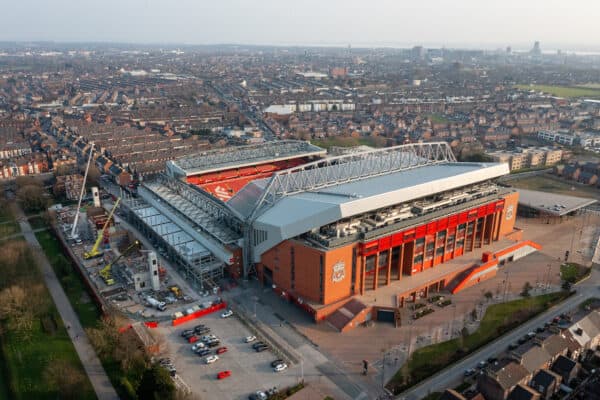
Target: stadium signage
339,272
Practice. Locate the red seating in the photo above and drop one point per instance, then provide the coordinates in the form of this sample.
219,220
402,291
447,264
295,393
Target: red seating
225,184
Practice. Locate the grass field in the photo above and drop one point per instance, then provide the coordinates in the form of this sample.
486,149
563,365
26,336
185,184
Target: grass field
572,272
8,228
498,319
564,91
29,350
87,311
74,288
37,222
555,185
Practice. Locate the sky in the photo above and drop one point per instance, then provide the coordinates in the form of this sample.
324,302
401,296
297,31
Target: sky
557,24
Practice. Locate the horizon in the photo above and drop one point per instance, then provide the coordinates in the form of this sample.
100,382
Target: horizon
383,23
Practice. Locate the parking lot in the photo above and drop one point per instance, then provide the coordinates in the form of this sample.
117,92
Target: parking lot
250,371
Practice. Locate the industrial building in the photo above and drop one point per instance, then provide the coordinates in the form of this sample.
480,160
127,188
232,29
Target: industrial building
324,231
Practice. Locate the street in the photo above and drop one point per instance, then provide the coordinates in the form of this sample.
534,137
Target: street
454,373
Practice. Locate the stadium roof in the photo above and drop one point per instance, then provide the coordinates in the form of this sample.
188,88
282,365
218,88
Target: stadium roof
300,199
241,156
552,203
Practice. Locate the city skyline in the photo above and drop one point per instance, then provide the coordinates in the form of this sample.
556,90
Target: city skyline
430,23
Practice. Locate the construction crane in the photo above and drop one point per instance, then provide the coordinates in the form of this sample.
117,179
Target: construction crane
95,250
74,234
105,273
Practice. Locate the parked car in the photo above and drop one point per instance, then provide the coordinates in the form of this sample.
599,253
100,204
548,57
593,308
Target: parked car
186,333
249,339
280,367
198,346
258,344
203,352
258,395
221,350
211,359
192,339
261,348
200,329
469,372
224,374
227,314
206,338
482,364
213,343
276,362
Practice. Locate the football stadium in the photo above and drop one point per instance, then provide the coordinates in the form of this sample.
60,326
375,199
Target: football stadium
326,231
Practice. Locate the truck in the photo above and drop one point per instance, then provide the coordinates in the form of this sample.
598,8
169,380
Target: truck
159,305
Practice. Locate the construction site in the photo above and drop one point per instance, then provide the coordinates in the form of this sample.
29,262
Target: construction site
323,232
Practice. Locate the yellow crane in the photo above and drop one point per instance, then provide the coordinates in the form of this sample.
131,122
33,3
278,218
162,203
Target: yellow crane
105,272
95,250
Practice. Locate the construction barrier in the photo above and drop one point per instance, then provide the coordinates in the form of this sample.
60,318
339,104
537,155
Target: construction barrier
151,324
199,313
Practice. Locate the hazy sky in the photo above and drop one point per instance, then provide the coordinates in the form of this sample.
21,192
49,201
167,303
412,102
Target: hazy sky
566,24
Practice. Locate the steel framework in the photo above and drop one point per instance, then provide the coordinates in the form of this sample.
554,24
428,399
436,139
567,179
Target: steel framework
205,213
232,155
350,168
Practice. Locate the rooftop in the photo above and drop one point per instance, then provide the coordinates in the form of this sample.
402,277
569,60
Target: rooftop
241,156
552,203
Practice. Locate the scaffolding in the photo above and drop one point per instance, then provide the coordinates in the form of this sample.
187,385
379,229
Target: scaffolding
193,259
203,213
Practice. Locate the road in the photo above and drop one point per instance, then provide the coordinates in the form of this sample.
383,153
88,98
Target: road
448,377
316,365
93,368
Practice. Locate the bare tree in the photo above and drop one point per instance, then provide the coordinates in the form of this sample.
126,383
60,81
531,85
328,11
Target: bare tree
33,197
66,378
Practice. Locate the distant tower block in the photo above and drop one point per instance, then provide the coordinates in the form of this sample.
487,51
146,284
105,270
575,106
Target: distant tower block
96,196
153,268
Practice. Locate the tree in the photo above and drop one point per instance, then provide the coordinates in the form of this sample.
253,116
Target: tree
526,288
489,295
67,379
156,384
63,169
32,197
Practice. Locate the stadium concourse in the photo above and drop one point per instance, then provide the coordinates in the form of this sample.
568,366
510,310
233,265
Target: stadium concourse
322,231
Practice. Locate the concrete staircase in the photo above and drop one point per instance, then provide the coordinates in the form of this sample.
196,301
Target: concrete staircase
348,315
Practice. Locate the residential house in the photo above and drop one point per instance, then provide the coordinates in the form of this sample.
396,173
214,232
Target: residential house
546,382
522,392
501,378
566,368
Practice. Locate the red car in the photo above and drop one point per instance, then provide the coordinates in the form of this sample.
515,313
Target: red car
224,374
193,339
221,350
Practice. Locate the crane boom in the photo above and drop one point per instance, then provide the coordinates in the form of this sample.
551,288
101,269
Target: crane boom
94,252
105,272
74,229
